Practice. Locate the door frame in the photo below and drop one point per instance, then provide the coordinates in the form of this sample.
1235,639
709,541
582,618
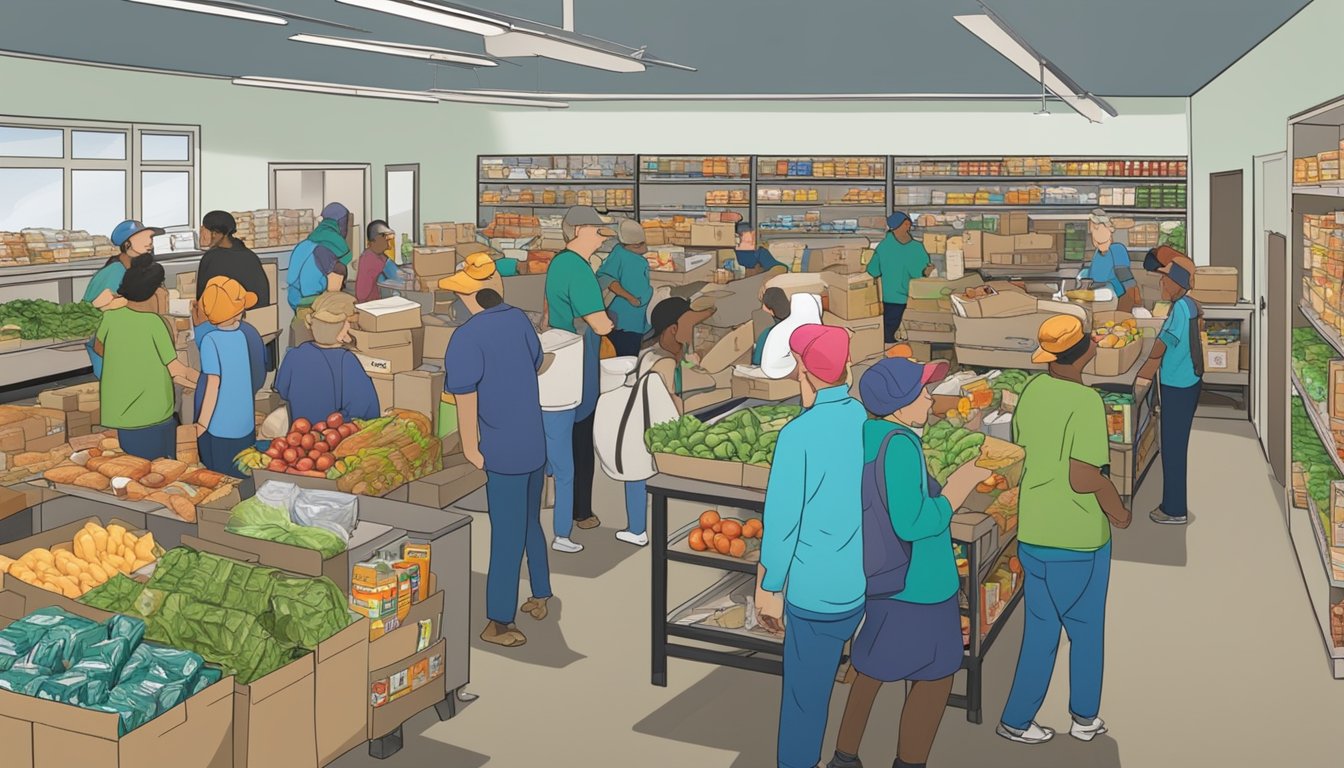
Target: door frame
367,168
414,169
1260,303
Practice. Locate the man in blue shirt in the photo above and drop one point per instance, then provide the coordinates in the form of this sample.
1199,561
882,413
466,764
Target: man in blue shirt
1178,361
897,260
752,258
1110,262
811,568
313,266
625,273
321,377
491,370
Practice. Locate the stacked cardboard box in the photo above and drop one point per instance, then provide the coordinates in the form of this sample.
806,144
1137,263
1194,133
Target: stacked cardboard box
79,403
385,341
449,233
513,225
274,228
52,246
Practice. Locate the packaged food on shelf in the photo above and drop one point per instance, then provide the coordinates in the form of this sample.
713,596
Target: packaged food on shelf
1309,451
52,246
1337,624
1004,582
385,588
274,228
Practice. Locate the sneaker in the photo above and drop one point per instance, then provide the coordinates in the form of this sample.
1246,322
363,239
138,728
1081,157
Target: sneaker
1034,734
588,523
842,760
639,540
563,544
536,607
502,634
1162,518
1089,731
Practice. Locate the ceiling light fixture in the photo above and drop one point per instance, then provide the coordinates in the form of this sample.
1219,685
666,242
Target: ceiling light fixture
335,89
480,97
527,43
441,55
241,11
436,13
999,36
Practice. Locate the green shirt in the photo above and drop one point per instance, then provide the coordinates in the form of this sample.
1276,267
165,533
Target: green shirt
571,290
1055,422
136,389
896,264
924,521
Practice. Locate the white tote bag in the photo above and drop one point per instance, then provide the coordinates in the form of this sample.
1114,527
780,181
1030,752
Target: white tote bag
634,398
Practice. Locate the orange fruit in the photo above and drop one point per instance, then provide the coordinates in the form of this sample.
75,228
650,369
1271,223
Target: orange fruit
722,544
708,518
697,540
717,528
737,548
732,529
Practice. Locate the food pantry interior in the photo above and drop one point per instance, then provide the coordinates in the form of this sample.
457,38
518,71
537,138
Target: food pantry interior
277,280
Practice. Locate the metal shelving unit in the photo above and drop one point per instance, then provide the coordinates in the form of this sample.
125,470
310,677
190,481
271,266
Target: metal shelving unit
618,172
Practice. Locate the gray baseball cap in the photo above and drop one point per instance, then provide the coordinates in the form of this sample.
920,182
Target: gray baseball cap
587,216
630,232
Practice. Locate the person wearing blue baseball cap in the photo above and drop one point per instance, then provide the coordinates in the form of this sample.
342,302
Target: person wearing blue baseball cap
318,265
136,244
898,259
912,622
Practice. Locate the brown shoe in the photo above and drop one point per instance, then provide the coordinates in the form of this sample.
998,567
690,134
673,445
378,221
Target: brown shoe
588,523
500,634
536,607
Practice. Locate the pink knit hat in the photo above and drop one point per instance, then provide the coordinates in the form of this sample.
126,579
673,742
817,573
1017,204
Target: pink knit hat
824,350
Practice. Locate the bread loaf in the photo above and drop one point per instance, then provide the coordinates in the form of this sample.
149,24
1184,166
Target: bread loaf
93,480
65,474
203,477
171,469
133,467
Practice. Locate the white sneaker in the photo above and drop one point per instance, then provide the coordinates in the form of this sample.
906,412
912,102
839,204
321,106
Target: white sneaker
563,544
1034,734
639,540
1088,732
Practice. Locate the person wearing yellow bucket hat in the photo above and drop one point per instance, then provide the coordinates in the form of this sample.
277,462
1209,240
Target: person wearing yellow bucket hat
225,425
1066,508
491,368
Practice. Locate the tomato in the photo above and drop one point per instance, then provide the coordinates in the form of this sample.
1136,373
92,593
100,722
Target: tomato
335,420
321,447
290,455
331,437
346,430
277,465
305,465
293,439
325,462
279,444
320,427
313,454
274,452
302,426
309,440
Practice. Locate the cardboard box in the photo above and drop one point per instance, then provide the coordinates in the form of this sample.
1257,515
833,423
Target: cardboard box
389,352
714,235
272,272
390,314
1222,358
437,333
443,488
762,388
1003,301
980,247
59,399
865,334
733,348
839,258
1013,223
266,320
414,693
1216,279
13,502
211,524
1336,533
418,391
796,282
46,540
1000,342
702,274
434,261
383,385
1114,361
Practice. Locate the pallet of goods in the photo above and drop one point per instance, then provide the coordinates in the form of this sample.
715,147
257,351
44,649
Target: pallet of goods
274,228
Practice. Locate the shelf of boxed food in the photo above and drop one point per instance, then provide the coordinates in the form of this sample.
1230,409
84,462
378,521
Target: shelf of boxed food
825,168
1319,169
1327,602
558,169
999,593
541,197
724,614
1142,197
730,543
1319,420
1323,527
693,168
1038,168
870,196
1321,190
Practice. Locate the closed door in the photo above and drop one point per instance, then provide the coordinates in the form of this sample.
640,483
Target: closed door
1276,344
1271,215
313,187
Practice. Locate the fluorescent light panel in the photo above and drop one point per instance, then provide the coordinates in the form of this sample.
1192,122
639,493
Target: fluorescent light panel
335,89
399,49
433,13
1000,39
530,44
215,10
481,97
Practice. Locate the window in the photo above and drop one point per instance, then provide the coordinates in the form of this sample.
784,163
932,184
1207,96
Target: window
88,175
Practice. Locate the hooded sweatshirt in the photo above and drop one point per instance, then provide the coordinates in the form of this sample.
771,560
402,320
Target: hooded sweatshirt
777,358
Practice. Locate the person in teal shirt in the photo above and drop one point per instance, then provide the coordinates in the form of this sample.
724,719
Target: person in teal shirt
915,634
776,303
811,571
136,242
1110,262
625,273
1178,361
898,259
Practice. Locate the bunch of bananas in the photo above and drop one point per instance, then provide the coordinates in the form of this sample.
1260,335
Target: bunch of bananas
250,459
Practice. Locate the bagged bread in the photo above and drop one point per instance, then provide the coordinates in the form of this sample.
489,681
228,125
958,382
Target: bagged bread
171,469
133,467
203,477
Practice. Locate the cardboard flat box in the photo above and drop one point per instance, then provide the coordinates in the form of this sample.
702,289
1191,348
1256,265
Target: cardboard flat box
980,247
59,399
865,334
434,261
441,489
388,362
46,540
702,274
260,476
390,314
1004,301
706,470
730,350
1216,279
1114,361
764,389
1215,297
413,696
714,235
418,391
437,333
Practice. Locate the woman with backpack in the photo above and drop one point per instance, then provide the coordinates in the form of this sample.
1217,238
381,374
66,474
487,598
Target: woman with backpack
912,623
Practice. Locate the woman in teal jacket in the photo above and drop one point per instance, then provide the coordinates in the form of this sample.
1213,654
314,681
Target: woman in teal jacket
915,634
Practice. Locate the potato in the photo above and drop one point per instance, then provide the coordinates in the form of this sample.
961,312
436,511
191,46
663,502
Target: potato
5,563
144,548
116,532
69,568
85,548
100,538
98,572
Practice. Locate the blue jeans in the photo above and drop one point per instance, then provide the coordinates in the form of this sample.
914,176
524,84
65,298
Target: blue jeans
514,506
636,506
156,442
813,644
96,360
559,429
217,452
1063,589
1178,418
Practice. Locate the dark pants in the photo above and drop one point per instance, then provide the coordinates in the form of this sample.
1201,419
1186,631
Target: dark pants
584,461
626,342
891,321
813,644
1178,417
156,442
514,506
217,452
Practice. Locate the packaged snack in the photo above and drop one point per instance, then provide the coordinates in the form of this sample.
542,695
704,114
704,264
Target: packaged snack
420,555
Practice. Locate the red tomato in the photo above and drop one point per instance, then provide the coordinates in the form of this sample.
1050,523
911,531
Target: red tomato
321,447
279,444
346,430
302,426
277,465
335,420
274,452
290,455
293,439
325,461
308,441
320,426
331,437
313,454
305,465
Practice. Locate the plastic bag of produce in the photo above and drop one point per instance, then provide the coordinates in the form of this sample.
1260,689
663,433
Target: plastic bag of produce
17,640
336,512
136,667
104,661
76,635
258,520
173,664
279,494
96,692
23,678
135,706
67,688
127,628
306,611
207,677
118,595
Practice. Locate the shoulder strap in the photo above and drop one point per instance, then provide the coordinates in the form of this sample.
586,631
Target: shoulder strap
641,382
882,461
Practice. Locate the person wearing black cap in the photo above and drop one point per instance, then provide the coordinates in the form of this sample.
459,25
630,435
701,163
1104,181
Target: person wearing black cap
674,320
226,255
897,260
1177,361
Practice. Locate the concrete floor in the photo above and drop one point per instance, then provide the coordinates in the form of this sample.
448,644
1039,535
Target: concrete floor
1210,632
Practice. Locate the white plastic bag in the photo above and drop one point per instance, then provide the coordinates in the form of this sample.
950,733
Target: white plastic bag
332,510
278,494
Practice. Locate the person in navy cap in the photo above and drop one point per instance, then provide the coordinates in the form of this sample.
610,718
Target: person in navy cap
898,259
136,244
318,265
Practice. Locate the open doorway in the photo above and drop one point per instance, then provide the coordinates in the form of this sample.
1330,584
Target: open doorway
403,202
312,186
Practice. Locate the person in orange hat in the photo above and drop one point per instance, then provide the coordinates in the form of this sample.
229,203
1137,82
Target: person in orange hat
225,425
1066,508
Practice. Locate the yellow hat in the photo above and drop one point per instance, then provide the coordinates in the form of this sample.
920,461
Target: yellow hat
225,298
477,269
1057,336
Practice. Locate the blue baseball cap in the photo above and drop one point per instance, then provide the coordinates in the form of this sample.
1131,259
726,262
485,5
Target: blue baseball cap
896,219
893,383
128,229
335,211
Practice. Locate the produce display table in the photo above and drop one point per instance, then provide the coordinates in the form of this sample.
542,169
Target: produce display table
760,652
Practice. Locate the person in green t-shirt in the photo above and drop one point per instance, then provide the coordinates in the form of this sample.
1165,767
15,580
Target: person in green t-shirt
139,364
897,260
1066,507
